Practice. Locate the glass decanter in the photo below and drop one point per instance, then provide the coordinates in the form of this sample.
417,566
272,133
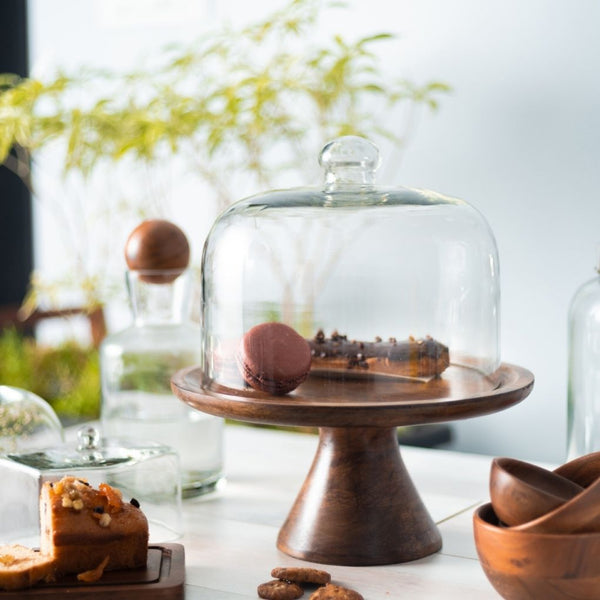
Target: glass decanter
584,370
138,362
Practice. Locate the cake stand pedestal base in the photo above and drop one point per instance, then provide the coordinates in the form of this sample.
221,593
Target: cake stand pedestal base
358,505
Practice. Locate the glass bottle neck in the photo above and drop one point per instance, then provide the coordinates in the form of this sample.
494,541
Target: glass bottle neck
159,299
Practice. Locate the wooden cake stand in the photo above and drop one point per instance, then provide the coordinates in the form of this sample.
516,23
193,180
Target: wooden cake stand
358,505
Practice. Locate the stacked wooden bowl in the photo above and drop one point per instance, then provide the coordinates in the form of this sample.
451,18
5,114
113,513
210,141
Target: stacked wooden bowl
539,537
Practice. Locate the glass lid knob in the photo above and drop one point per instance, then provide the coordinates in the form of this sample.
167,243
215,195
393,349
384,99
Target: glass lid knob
349,161
88,438
88,444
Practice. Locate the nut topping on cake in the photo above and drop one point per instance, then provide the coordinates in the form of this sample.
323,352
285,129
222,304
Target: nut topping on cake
104,520
77,494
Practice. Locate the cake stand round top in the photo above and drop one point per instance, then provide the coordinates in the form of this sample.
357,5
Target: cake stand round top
361,402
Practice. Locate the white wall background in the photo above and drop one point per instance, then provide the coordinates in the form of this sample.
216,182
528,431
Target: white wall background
518,138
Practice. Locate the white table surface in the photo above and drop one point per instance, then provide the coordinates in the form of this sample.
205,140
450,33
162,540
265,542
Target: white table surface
230,535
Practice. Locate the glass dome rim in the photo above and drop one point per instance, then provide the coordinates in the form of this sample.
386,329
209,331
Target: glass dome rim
111,453
353,197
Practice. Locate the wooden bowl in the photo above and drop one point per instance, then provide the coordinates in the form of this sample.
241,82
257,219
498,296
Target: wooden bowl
521,492
578,515
583,470
536,566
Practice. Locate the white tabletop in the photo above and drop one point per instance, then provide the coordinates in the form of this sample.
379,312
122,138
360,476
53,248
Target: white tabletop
230,535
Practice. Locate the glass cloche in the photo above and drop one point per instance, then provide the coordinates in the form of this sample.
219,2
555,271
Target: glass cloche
383,283
149,472
27,422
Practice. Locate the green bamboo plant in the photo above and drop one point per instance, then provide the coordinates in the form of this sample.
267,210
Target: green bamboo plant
67,375
254,103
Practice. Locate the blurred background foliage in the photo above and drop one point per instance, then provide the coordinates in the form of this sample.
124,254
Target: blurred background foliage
256,102
67,375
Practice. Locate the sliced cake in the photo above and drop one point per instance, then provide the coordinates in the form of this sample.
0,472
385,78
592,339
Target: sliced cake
21,567
82,526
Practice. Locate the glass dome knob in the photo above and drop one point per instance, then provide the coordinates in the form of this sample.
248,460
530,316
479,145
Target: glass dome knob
349,160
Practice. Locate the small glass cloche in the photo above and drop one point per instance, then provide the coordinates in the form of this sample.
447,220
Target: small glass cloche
383,283
27,422
148,472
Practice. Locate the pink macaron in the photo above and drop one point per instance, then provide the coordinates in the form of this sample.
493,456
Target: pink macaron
274,358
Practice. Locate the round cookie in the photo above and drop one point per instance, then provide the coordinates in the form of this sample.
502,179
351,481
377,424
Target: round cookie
335,592
274,358
301,575
279,590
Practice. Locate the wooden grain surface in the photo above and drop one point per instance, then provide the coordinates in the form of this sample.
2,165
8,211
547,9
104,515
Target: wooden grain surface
521,492
358,505
158,249
367,401
536,566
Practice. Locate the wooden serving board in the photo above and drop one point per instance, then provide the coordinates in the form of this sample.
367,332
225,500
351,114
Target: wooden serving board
162,578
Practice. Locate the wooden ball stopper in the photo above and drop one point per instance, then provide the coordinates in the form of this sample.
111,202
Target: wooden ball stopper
158,249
